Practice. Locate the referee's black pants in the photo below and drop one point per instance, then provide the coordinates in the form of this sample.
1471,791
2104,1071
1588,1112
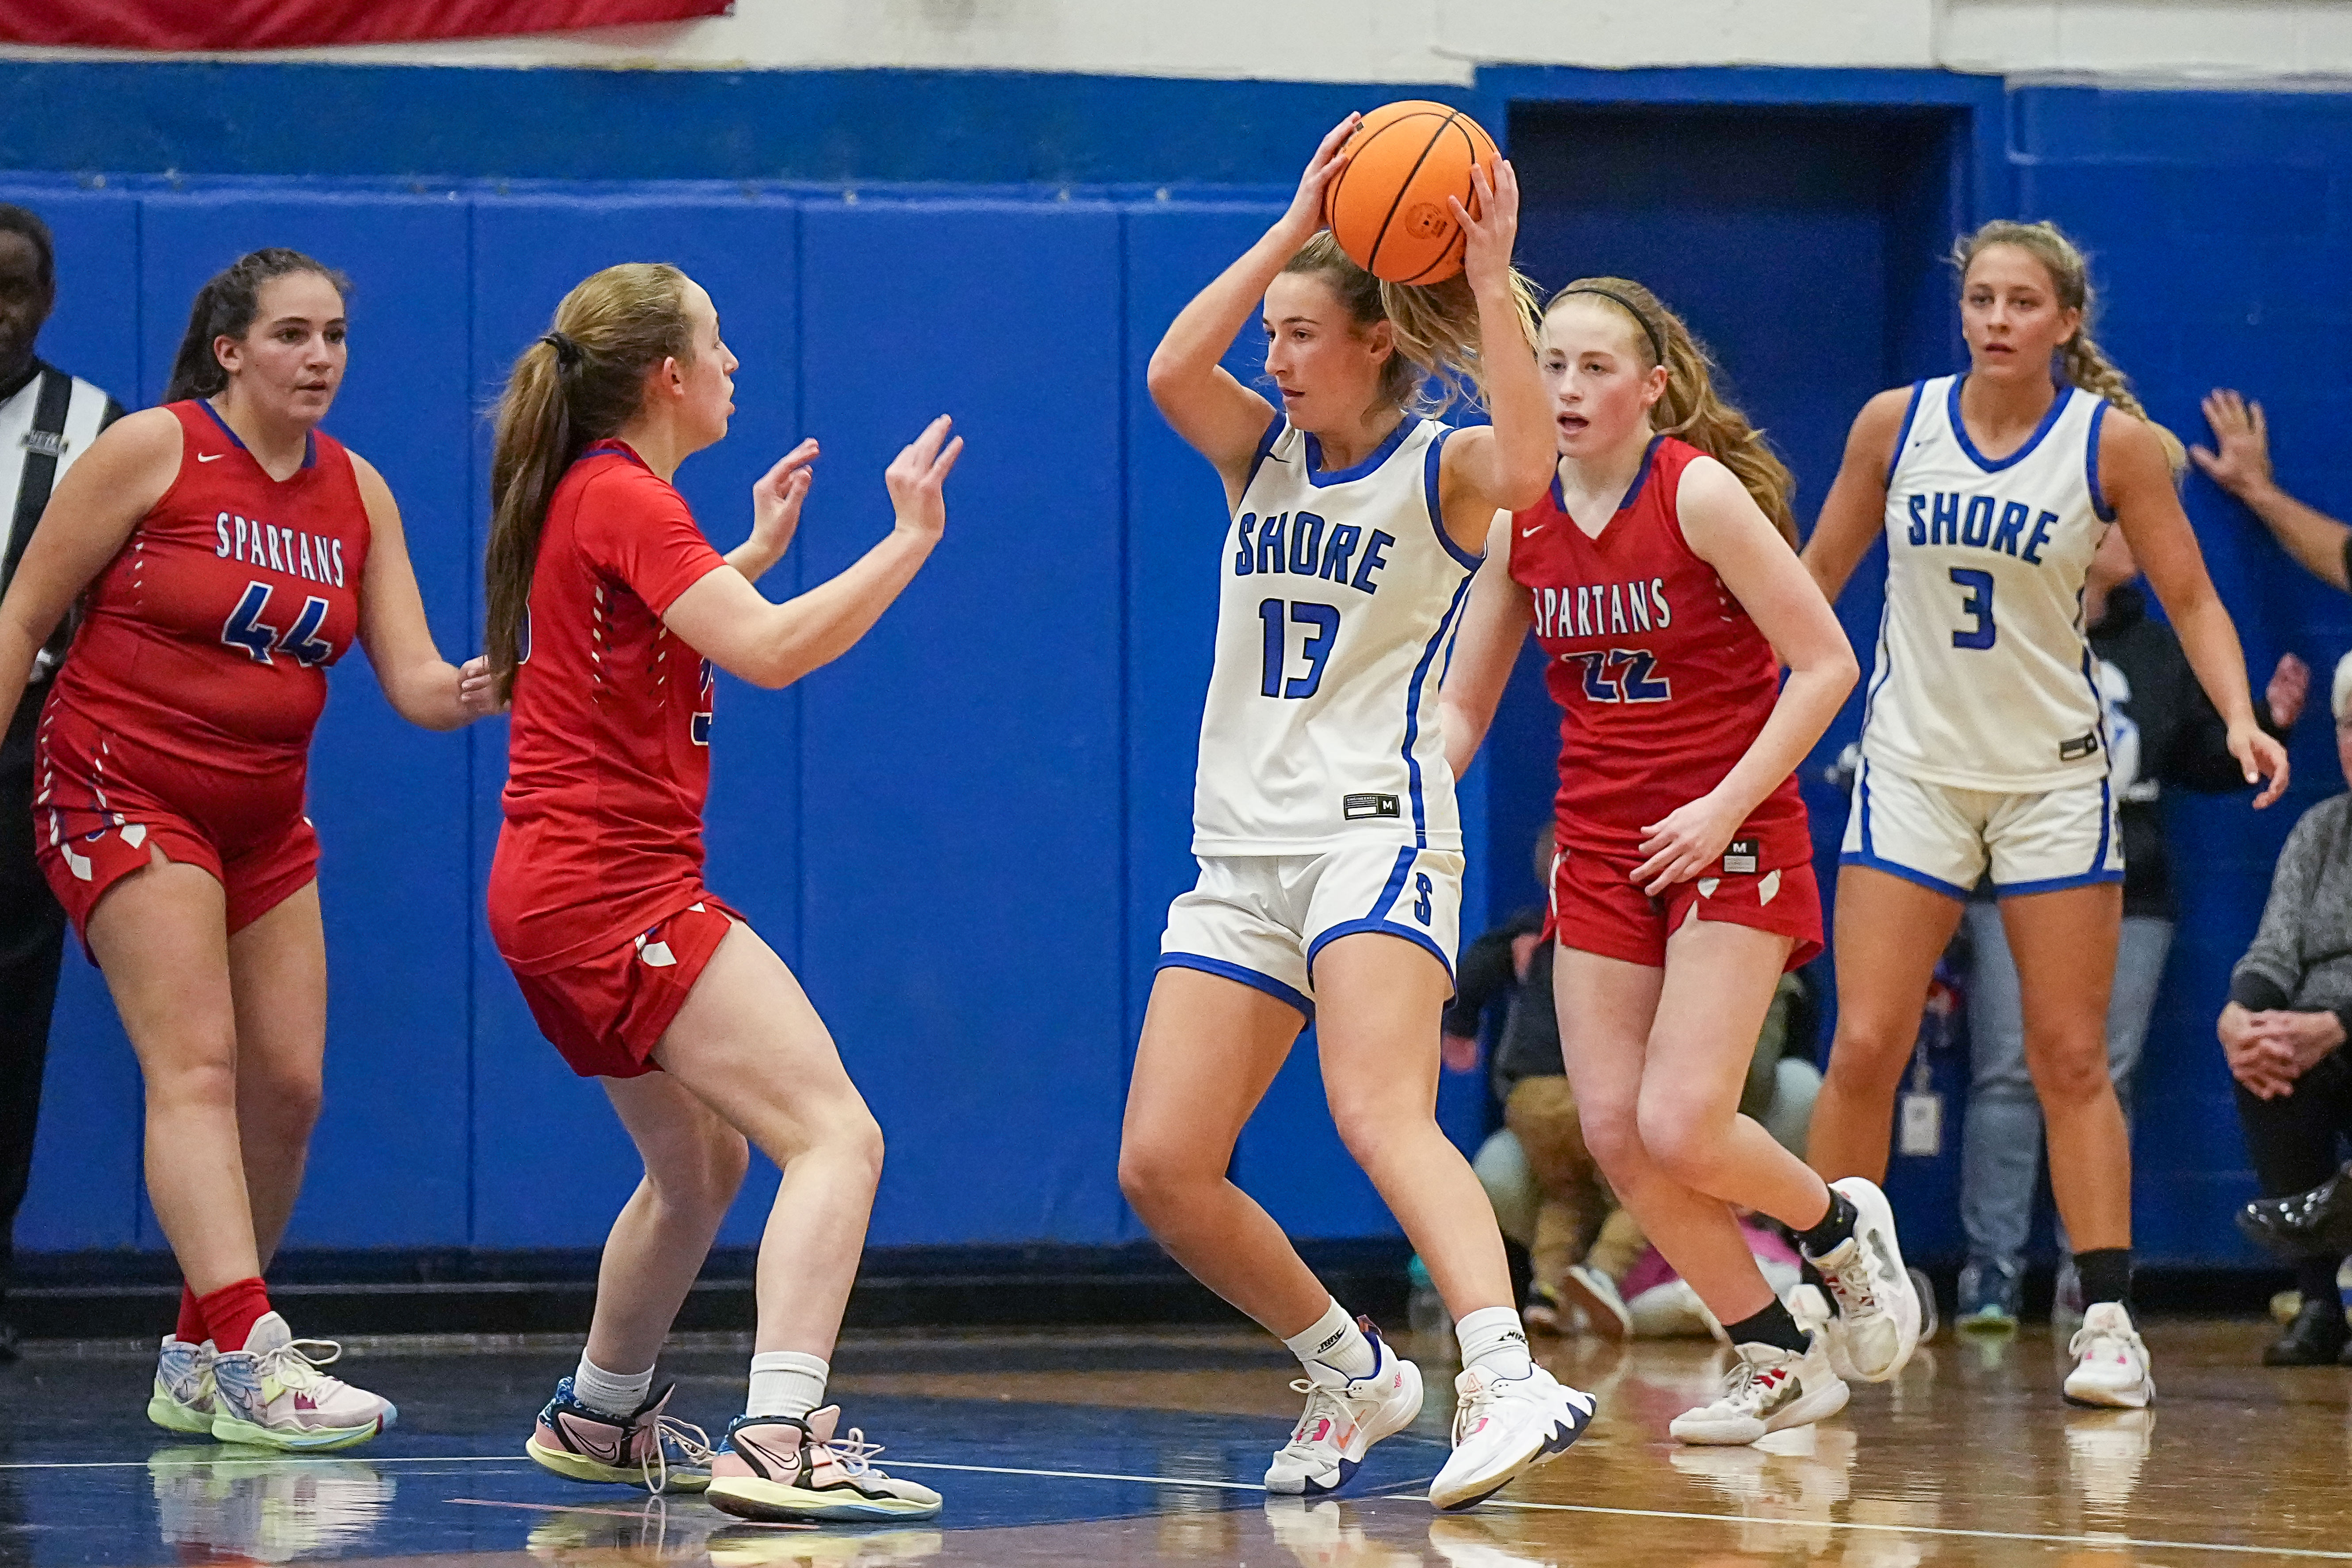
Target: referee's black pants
32,942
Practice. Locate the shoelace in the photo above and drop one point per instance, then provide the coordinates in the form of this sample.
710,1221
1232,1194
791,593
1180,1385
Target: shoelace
1471,1409
306,1357
1746,1380
2088,1338
694,1449
1321,1404
854,1454
1851,1282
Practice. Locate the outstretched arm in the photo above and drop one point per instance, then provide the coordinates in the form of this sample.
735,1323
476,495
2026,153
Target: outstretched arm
1221,417
1854,512
1726,529
2242,466
2138,483
1494,625
97,503
726,620
1507,463
422,686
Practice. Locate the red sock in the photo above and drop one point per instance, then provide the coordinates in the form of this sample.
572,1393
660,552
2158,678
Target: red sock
232,1311
192,1319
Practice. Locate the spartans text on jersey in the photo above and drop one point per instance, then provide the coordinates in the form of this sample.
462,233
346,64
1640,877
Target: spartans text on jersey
1603,609
315,557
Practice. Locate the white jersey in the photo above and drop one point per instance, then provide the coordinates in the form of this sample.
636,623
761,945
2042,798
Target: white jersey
1340,595
1984,678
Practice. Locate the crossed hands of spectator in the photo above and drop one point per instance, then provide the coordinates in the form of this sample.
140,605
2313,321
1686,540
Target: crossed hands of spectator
2269,1050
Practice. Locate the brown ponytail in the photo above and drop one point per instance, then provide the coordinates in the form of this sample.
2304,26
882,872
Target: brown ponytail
1438,357
577,384
1692,409
2082,360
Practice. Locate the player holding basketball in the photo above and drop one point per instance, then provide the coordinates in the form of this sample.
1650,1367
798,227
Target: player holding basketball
1661,578
230,551
1983,741
1323,818
608,610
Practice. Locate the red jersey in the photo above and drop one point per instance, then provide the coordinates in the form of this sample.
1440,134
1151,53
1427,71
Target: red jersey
608,756
207,637
1661,679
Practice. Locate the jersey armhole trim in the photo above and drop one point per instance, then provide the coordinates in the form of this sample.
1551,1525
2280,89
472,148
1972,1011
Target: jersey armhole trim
2090,463
1431,462
1895,459
1265,447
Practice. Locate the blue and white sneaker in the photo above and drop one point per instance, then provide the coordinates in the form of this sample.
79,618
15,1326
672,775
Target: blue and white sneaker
183,1396
1344,1417
1990,1292
1504,1426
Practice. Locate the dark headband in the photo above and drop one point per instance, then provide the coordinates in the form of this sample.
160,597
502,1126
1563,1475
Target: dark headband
1657,344
567,350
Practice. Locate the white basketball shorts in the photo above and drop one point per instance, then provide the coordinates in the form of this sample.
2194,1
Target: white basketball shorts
1947,838
1261,919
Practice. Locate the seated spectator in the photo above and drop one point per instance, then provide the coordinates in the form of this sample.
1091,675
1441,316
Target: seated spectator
2241,464
2163,730
2283,1032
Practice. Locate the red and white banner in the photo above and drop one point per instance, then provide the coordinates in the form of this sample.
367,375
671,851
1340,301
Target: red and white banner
181,24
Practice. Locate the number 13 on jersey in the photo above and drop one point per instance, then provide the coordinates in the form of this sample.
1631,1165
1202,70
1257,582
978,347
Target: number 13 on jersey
1321,623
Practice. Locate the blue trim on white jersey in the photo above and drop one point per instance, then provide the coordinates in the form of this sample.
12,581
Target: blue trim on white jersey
1265,446
1386,928
1395,888
1429,466
1882,667
2054,884
1412,713
1918,393
1381,454
1861,805
1961,429
2091,464
1225,969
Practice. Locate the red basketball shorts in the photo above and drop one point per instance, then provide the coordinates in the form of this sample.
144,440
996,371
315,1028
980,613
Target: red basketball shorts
606,1013
102,805
1597,907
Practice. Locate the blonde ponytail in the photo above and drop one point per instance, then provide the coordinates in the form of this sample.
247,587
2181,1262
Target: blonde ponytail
576,385
1438,357
1692,409
2081,359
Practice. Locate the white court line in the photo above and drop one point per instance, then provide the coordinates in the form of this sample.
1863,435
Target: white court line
2091,1541
2309,1554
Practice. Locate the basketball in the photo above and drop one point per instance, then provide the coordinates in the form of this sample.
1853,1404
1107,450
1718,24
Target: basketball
1387,207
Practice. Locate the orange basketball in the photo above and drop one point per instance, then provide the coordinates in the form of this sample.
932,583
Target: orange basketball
1387,207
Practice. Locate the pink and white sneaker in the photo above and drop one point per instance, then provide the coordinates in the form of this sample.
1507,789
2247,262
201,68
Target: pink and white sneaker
1344,1417
776,1467
645,1448
272,1394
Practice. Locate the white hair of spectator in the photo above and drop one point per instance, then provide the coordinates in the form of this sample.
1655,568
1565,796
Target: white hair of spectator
2339,691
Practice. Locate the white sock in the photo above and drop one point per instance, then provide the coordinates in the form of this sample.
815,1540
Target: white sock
610,1393
1494,1338
786,1383
1335,1341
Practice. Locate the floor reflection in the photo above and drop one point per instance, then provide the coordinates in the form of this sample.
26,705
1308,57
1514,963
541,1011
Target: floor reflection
216,1502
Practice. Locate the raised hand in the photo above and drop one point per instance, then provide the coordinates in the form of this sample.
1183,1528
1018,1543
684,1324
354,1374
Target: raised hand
1306,216
917,477
776,499
2244,437
1489,238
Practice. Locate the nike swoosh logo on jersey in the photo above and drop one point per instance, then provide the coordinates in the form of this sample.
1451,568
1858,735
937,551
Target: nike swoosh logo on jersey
1531,533
210,457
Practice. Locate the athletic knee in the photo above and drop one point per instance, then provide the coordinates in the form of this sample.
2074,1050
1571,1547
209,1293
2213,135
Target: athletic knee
1867,1060
2069,1071
1612,1136
1683,1144
1158,1177
287,1097
703,1175
201,1072
1370,1125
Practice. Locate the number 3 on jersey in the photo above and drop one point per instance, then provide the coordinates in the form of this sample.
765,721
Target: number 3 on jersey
1976,603
246,629
1324,622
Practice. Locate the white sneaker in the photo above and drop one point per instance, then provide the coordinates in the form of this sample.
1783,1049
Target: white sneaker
1812,1311
1767,1389
272,1392
1597,1294
1344,1417
2111,1364
183,1400
1878,1306
1503,1425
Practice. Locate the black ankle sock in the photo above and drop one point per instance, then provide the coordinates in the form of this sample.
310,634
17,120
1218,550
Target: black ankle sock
1808,1274
2315,1278
2106,1275
1835,1226
1772,1326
